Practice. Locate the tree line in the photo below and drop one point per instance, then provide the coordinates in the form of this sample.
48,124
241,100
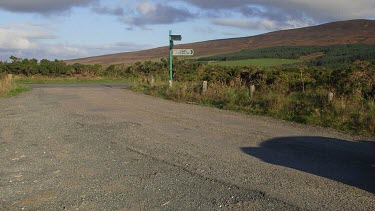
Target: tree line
29,67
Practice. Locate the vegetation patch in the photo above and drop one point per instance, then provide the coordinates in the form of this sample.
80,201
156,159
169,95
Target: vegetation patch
9,88
334,56
256,62
311,56
18,89
299,94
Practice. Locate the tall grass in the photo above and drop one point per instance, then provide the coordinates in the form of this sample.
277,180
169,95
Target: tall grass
6,84
8,87
349,113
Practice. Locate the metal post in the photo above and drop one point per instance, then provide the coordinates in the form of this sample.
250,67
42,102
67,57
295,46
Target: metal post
170,58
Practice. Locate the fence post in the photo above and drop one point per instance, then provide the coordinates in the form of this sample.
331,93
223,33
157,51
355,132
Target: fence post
252,91
204,88
330,96
152,83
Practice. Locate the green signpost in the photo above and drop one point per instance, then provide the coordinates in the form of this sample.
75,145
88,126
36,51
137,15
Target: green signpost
176,52
170,57
172,37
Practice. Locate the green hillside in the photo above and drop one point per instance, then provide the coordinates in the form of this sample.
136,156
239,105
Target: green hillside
256,62
334,56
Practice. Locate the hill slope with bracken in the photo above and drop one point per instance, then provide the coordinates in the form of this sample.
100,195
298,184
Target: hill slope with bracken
344,32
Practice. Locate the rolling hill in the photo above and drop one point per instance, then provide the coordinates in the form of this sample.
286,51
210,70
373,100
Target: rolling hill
335,33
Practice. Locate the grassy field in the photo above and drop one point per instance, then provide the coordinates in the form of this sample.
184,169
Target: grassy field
70,80
256,62
18,89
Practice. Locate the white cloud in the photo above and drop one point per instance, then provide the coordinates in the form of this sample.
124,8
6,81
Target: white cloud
146,8
22,36
28,41
114,48
291,24
16,43
246,24
61,52
263,24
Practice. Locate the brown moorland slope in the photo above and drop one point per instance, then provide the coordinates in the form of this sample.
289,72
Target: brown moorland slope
343,32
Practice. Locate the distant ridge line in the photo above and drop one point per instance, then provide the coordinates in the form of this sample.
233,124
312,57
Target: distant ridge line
359,31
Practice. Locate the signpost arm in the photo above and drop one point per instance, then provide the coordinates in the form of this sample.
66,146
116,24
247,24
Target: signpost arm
170,57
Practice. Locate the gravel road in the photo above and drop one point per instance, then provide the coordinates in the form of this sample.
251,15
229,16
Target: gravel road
102,147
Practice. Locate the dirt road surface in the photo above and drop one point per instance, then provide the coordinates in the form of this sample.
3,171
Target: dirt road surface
105,148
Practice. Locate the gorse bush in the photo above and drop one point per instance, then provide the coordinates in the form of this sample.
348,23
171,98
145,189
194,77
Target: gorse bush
57,68
29,67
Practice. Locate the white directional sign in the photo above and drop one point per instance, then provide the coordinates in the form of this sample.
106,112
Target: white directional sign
183,52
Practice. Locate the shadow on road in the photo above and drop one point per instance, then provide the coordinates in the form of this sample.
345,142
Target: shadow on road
343,161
